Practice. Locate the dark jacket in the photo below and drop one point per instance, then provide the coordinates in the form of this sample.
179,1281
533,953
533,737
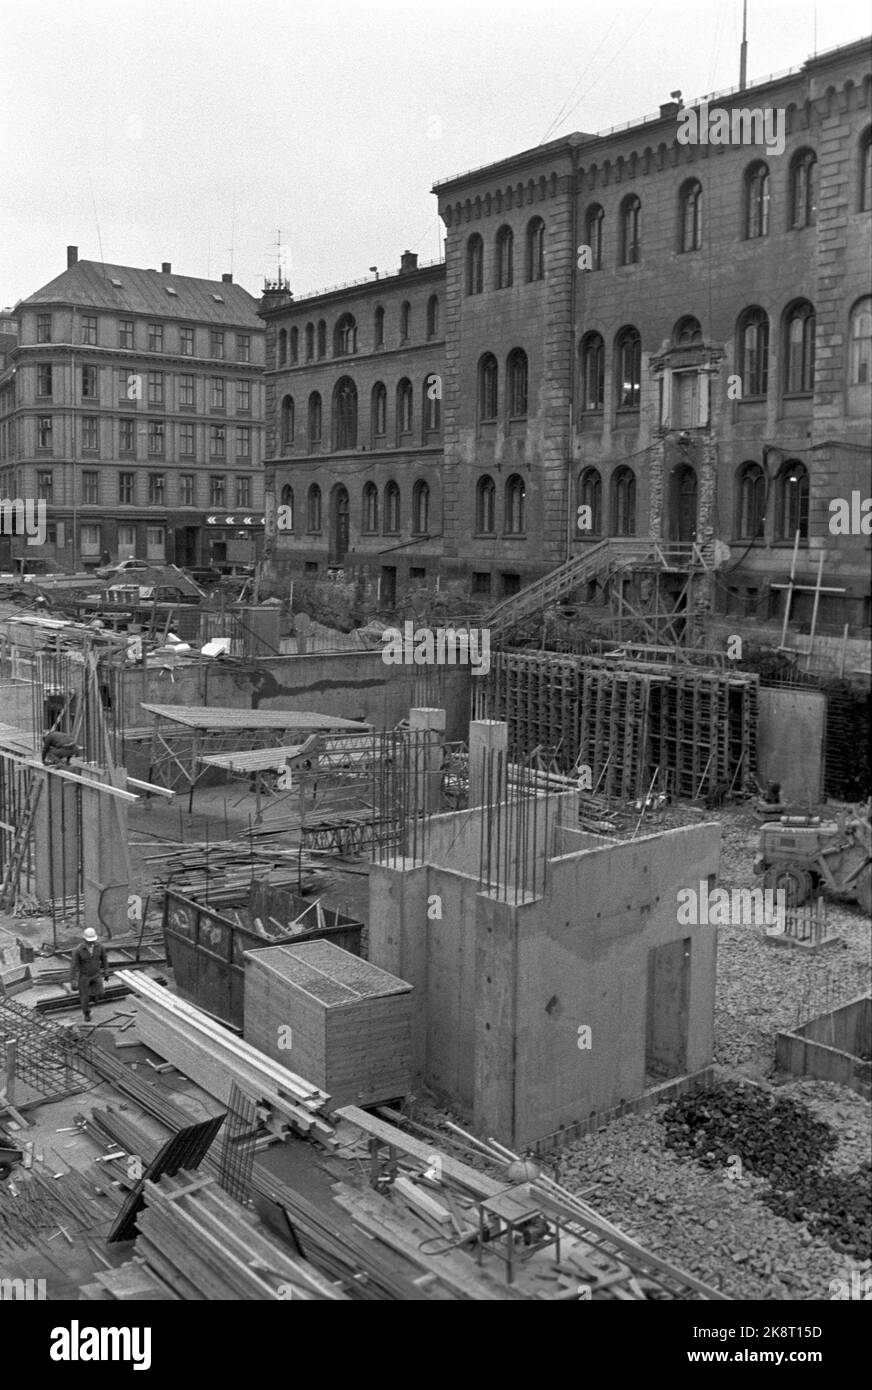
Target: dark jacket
86,963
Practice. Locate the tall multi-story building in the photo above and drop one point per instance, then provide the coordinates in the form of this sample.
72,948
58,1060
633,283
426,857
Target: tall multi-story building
656,331
132,404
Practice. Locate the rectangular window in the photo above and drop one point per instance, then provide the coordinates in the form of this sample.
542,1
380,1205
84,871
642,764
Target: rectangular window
43,431
44,379
89,329
186,489
155,388
43,328
243,347
217,442
243,396
123,374
126,484
243,492
186,342
155,543
216,343
217,490
89,541
90,433
45,484
90,487
89,383
216,393
186,389
155,337
125,333
126,436
155,489
155,436
186,440
126,542
243,442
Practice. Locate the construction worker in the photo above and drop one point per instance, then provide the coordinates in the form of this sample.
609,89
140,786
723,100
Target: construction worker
88,963
59,748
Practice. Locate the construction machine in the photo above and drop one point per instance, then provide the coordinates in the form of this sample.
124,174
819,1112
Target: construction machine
807,854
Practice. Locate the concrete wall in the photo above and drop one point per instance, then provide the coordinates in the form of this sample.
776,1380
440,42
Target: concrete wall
830,1048
790,741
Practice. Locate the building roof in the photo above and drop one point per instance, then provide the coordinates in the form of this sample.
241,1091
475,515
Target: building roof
89,284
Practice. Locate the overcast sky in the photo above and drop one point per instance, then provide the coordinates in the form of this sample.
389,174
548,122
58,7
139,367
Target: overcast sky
191,131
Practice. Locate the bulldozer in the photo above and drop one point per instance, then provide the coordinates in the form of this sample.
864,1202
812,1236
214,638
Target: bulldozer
802,855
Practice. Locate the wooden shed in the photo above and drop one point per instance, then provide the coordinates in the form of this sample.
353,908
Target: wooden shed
343,1024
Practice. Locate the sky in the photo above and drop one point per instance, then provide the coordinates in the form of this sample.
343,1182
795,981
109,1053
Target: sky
207,132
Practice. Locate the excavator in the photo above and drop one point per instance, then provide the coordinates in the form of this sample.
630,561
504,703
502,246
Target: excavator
803,855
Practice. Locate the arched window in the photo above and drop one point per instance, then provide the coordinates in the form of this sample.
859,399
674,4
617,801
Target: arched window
314,420
536,249
505,257
420,508
310,341
345,336
379,411
313,508
431,403
488,374
592,353
345,414
865,201
370,508
404,408
753,354
286,499
593,234
295,345
799,329
624,503
392,509
628,354
405,320
379,327
803,201
287,421
590,494
283,346
433,316
751,499
690,216
516,498
474,264
322,338
516,380
792,501
631,228
860,362
687,332
485,506
756,201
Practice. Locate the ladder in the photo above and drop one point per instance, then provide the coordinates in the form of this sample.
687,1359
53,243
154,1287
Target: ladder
12,868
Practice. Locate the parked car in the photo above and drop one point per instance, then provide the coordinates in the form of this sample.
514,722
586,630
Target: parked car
123,567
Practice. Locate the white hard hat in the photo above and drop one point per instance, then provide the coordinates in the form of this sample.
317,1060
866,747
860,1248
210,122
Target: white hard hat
89,934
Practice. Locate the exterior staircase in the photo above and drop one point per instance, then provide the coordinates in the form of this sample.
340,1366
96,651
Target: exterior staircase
605,558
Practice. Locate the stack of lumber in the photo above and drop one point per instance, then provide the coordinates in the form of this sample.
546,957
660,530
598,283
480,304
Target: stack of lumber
215,1059
200,1245
227,867
346,1023
130,1282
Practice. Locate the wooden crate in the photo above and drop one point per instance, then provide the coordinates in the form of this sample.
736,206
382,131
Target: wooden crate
347,1025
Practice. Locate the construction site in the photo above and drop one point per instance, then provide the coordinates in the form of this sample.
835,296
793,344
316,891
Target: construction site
326,978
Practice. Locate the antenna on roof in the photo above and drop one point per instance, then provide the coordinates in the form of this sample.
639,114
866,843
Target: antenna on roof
743,51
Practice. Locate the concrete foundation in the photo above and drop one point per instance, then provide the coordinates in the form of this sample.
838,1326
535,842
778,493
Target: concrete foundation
836,1046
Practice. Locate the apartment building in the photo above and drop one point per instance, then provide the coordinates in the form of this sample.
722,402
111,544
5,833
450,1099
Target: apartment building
132,405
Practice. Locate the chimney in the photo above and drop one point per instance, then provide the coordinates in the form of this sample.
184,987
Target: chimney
72,256
669,108
166,268
408,261
227,278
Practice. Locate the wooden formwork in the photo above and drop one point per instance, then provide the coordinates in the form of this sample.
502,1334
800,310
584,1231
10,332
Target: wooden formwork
625,720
